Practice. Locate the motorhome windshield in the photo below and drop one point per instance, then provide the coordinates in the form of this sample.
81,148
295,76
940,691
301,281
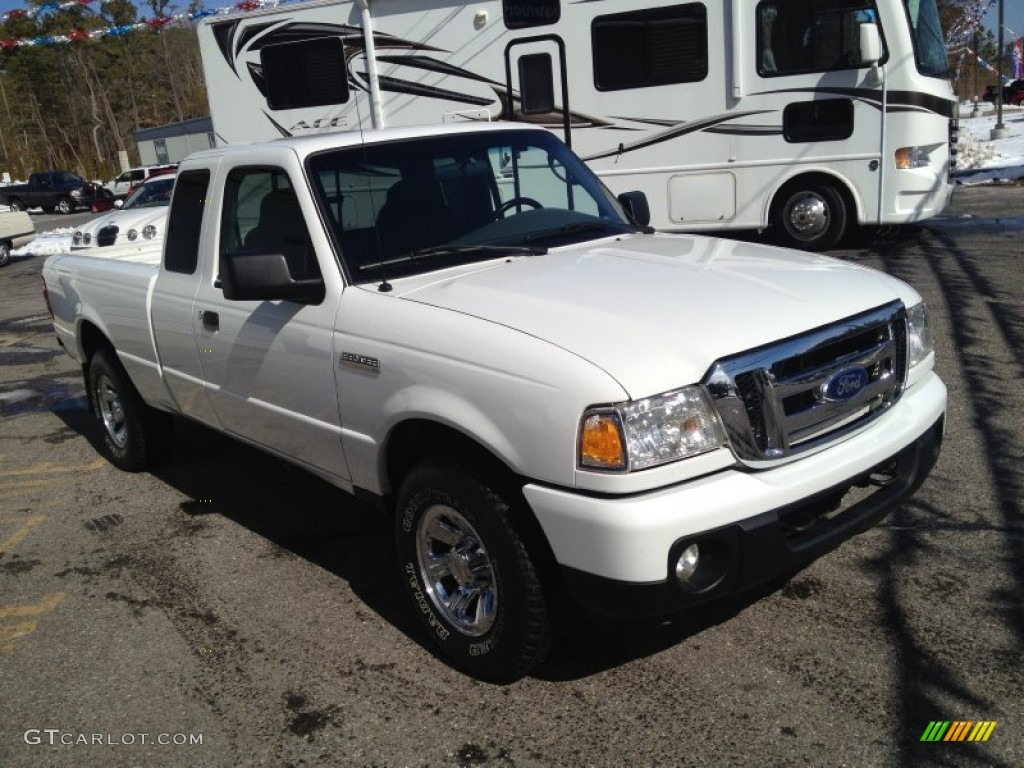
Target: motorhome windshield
926,31
408,207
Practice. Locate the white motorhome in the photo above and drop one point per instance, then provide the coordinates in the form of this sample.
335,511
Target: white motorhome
802,115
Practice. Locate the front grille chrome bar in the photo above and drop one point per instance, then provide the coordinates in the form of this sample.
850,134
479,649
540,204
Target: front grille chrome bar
780,401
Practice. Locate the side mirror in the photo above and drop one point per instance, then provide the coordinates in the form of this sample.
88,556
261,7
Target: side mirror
265,277
636,207
870,45
118,203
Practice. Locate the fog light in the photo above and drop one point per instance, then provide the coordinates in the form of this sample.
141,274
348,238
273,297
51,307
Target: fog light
686,566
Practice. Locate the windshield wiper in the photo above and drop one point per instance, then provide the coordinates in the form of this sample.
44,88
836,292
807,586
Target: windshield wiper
568,229
455,250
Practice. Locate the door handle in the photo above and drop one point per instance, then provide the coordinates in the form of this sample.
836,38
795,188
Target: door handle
211,320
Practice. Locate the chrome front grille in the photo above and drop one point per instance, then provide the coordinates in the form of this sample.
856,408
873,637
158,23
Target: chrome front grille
790,397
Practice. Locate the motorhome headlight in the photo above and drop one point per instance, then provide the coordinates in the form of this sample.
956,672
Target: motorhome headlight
920,343
133,235
912,157
149,231
76,239
645,433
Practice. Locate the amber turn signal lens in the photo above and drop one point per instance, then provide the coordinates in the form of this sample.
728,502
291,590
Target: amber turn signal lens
601,442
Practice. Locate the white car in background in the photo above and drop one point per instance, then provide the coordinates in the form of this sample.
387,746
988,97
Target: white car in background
130,180
138,223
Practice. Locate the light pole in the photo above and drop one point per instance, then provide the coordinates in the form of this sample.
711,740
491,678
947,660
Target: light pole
1000,132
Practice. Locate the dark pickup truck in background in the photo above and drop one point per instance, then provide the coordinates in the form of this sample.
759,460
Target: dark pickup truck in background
60,191
1013,93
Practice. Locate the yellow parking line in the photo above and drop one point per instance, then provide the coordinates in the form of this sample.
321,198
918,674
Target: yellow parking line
23,610
19,487
27,524
47,468
9,634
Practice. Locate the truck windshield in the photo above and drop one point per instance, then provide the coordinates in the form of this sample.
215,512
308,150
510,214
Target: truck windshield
926,32
407,207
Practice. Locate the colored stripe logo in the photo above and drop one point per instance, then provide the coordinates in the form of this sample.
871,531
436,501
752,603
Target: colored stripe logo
958,730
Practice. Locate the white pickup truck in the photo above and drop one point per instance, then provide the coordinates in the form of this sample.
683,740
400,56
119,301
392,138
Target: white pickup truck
464,325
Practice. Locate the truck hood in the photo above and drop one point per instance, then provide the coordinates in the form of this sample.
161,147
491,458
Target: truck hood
655,311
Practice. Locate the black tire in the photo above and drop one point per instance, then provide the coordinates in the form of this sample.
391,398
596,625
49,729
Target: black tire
64,206
811,215
15,204
482,602
5,253
132,433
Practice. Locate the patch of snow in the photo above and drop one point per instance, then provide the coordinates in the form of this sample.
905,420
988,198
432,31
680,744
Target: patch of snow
984,160
47,243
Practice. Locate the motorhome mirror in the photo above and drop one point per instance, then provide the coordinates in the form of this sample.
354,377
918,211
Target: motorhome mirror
870,45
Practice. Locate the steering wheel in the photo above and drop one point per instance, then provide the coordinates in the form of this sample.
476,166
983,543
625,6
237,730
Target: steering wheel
515,201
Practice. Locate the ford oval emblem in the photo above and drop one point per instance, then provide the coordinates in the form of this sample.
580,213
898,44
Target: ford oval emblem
846,383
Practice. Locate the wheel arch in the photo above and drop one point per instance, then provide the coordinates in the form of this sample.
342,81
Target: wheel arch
414,439
842,184
419,439
90,339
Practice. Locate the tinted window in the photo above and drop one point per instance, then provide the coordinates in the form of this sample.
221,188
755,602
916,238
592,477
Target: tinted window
537,84
657,46
798,36
184,223
520,14
307,73
824,120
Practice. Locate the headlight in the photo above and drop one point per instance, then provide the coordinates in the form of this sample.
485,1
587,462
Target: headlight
648,432
133,234
149,231
76,239
75,193
920,343
913,157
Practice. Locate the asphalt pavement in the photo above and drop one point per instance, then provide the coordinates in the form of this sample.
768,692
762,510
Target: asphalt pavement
230,610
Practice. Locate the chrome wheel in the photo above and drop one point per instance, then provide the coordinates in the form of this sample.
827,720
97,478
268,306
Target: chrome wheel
63,206
456,570
806,216
811,214
112,411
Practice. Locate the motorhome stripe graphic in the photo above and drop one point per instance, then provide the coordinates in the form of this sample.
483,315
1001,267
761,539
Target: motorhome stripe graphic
958,730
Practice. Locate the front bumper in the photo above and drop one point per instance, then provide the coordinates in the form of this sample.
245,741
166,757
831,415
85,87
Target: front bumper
618,555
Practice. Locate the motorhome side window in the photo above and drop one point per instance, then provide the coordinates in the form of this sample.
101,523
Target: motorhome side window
305,73
521,14
801,36
185,220
655,46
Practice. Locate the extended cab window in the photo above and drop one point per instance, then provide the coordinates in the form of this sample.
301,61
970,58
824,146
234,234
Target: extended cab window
262,215
184,222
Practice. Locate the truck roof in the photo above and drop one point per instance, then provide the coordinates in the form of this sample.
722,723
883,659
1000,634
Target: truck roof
309,144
